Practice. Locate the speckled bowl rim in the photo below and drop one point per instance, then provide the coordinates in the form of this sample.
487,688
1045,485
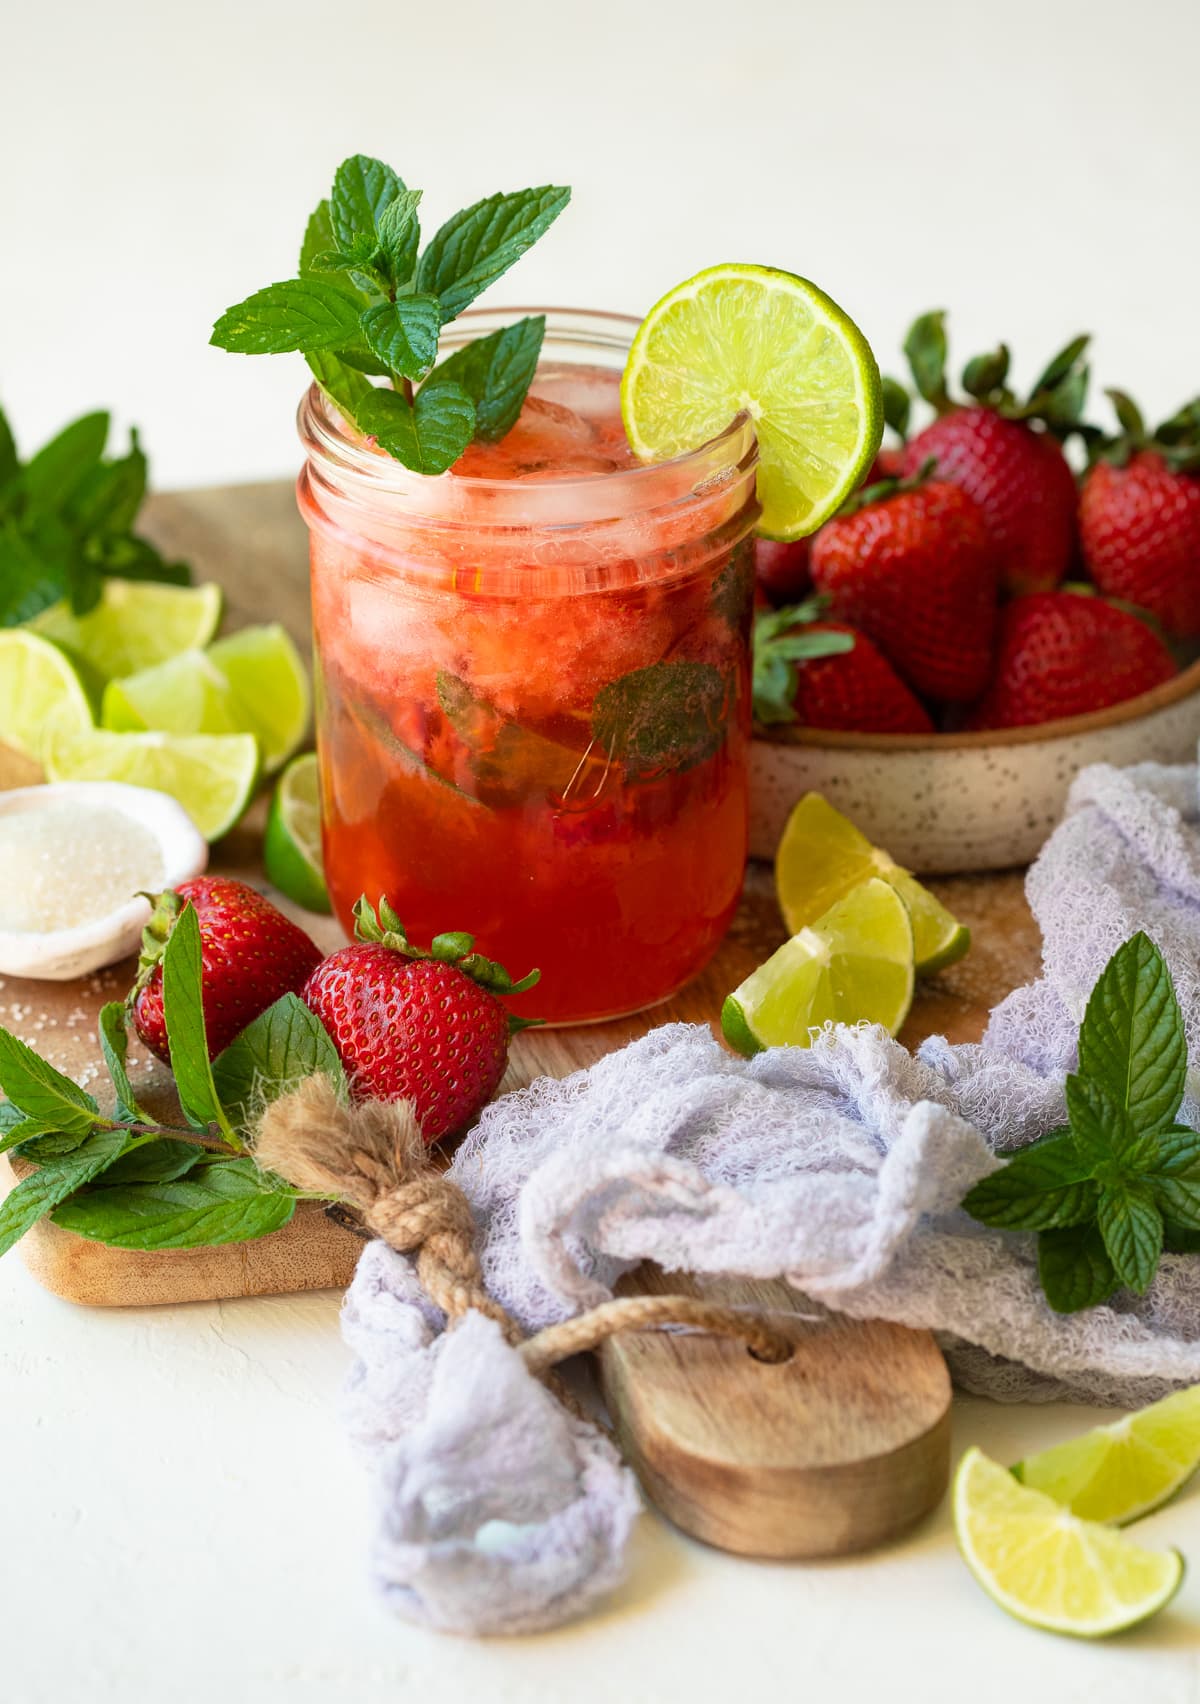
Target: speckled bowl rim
1173,691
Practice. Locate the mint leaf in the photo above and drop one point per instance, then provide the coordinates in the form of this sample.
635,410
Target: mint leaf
1132,1228
399,231
428,436
343,384
222,1202
476,246
36,1196
114,1044
1178,1198
1180,1239
363,189
28,582
284,1045
1044,1186
667,717
1074,1269
1132,1039
10,461
404,333
15,1128
318,239
496,372
1105,1132
41,1092
299,314
61,465
108,498
1178,1151
159,1161
183,1013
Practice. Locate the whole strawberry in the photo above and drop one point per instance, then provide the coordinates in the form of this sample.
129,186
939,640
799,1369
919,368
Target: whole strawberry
251,955
426,1027
1139,517
800,677
912,567
1005,453
1065,654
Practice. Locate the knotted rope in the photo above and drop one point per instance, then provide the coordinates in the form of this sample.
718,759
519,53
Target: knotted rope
372,1157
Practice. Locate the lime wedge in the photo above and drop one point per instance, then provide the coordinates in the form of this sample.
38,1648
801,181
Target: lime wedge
270,683
1046,1566
822,856
211,775
136,623
40,690
1123,1470
292,848
854,965
187,694
748,338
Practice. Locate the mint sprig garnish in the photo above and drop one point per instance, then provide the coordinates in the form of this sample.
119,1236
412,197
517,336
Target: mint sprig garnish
368,302
66,521
1122,1180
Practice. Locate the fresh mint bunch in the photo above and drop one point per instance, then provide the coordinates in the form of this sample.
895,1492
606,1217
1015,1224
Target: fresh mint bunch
369,302
66,521
133,1182
1121,1182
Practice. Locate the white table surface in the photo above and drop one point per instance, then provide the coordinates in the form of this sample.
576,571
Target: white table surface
185,1522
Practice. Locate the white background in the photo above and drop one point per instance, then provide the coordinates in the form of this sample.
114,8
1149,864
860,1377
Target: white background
1029,164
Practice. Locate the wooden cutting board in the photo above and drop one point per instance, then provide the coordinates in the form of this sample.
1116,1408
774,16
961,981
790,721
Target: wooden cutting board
251,539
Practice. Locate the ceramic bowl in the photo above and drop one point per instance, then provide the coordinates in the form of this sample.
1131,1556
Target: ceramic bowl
59,954
941,803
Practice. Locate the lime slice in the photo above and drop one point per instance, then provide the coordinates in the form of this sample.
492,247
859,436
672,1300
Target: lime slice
292,848
270,683
187,694
1123,1470
40,690
1046,1566
136,623
854,965
750,338
211,775
822,856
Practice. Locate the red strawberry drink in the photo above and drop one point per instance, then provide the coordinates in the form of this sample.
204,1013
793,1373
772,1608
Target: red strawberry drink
533,686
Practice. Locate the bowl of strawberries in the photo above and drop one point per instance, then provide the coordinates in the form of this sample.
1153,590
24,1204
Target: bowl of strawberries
981,621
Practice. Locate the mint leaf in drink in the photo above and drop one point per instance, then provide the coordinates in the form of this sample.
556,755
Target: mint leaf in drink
183,1012
1045,1186
298,314
55,473
53,1181
427,435
399,231
1074,1269
404,334
1132,1041
39,1091
114,1045
284,1045
363,190
223,1201
496,372
478,245
667,717
1132,1228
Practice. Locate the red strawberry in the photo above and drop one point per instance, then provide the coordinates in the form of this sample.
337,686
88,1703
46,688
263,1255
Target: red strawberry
1139,517
855,688
781,570
423,1027
1004,453
915,572
251,955
1067,653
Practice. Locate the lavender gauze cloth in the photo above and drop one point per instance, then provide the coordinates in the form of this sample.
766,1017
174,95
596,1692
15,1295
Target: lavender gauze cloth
838,1167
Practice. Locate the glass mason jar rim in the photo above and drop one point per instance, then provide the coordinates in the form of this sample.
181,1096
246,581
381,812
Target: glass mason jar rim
340,457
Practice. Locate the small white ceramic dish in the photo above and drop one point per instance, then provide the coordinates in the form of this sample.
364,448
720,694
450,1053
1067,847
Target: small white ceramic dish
59,954
942,803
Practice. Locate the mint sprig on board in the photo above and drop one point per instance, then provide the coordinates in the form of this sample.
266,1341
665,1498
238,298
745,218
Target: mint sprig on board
67,521
131,1181
370,303
1121,1182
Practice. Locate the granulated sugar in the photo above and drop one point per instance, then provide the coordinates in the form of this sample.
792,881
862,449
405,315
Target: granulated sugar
65,864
